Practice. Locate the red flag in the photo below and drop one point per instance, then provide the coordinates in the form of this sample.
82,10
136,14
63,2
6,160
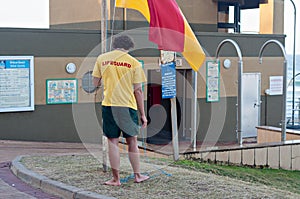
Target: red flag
168,28
166,25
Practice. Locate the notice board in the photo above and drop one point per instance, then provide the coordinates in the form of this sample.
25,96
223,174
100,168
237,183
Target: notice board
62,91
168,77
16,83
212,81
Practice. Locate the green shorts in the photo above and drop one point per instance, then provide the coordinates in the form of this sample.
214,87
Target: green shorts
119,119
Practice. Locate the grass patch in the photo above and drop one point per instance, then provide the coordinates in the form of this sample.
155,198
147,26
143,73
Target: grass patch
277,178
185,179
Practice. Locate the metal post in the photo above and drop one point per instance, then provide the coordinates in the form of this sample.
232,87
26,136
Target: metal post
283,128
237,18
294,62
283,116
194,110
184,105
298,109
174,129
175,141
240,103
104,15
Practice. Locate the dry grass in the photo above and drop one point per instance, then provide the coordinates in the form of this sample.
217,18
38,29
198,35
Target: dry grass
85,171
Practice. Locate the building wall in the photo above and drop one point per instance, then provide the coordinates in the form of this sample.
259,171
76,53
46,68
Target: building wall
266,17
70,14
272,17
74,36
74,11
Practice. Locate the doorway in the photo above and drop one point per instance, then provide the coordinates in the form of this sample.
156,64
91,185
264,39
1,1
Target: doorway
159,130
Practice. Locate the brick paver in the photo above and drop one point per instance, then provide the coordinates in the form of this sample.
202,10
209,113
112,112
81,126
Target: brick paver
13,188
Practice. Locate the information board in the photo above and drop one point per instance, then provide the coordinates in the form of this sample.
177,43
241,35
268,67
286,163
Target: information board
168,76
16,83
212,81
61,91
276,85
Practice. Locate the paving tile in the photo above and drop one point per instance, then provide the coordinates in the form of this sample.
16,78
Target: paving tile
235,157
222,156
209,156
296,157
286,157
273,157
261,156
248,157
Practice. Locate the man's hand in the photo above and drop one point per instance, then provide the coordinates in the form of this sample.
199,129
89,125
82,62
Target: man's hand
139,96
144,121
97,81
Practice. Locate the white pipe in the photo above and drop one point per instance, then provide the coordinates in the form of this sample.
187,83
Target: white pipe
283,115
240,83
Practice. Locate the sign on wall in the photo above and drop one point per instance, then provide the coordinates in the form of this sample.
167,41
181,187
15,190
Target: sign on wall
168,76
61,91
212,81
276,85
16,83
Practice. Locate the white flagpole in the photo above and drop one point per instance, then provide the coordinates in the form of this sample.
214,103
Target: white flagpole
104,15
175,140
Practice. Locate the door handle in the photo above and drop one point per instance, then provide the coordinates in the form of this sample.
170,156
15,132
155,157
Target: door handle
256,104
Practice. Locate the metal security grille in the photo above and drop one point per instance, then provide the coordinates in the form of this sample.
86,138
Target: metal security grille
87,82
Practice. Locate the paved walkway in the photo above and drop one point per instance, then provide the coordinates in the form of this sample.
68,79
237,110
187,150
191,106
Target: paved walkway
13,188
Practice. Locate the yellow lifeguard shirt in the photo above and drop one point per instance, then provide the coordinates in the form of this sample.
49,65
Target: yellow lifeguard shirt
119,71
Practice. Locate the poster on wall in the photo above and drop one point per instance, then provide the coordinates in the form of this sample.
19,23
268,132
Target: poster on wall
168,77
16,83
61,91
276,85
212,81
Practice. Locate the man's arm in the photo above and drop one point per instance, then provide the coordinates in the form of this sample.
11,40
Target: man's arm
139,96
97,81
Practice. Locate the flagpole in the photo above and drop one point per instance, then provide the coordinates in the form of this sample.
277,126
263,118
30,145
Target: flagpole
175,141
104,15
194,110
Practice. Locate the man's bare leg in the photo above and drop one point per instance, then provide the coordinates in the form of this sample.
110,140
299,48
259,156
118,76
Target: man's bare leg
114,159
134,158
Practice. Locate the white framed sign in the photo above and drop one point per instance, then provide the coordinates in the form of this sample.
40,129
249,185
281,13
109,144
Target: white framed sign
212,81
62,91
276,85
16,83
168,78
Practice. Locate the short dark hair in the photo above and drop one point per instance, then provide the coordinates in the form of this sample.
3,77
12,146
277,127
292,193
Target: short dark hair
122,41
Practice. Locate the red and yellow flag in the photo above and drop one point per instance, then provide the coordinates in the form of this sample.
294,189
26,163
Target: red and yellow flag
168,28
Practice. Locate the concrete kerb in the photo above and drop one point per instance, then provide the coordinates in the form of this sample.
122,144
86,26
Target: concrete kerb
50,186
26,175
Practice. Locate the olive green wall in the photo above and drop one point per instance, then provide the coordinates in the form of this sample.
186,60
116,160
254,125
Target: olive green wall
53,49
51,123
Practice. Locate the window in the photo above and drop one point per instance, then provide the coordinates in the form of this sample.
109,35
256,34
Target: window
24,14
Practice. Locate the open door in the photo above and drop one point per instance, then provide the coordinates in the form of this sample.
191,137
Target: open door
159,130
